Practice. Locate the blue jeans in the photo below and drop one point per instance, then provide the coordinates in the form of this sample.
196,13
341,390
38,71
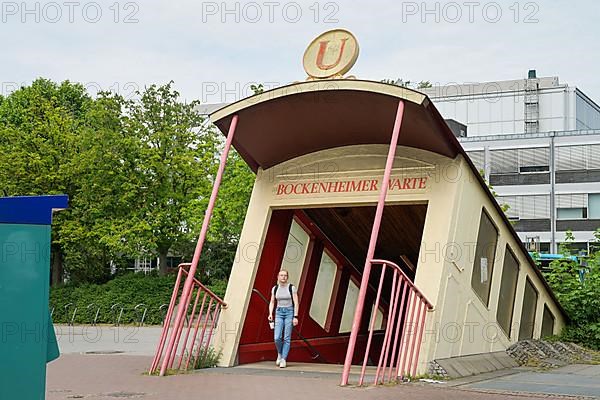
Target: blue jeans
283,330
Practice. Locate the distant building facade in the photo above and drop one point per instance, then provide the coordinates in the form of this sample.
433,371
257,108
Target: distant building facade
537,142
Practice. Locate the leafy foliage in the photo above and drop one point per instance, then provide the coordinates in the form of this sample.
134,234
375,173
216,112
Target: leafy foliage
126,291
207,357
578,294
138,174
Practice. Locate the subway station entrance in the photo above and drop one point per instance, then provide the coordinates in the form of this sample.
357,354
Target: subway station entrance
386,227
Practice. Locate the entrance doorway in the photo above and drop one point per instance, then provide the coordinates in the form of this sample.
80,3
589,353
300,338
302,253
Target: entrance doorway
324,250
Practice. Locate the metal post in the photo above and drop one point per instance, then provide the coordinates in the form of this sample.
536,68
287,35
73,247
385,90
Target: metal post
372,326
373,241
185,295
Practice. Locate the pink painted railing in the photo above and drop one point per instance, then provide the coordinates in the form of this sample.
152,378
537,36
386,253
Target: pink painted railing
404,328
191,283
202,319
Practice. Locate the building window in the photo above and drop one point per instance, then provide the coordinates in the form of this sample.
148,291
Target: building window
512,161
578,158
530,298
504,161
321,300
534,160
527,207
483,267
571,206
295,252
594,205
508,290
547,322
533,244
571,213
349,307
571,158
544,247
594,157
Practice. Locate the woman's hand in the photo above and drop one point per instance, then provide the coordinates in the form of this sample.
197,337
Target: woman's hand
270,318
295,321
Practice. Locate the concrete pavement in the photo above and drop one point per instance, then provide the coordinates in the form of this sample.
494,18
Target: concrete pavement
108,377
106,362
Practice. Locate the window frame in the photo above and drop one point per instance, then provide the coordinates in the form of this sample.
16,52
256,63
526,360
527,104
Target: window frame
508,251
334,290
546,308
485,302
351,279
537,299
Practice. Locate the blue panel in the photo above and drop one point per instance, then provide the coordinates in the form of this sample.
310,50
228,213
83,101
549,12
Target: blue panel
36,210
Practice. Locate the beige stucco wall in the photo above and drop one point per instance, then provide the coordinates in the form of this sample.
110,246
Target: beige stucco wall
454,201
462,324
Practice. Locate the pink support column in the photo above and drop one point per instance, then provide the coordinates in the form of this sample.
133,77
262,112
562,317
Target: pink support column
185,295
372,243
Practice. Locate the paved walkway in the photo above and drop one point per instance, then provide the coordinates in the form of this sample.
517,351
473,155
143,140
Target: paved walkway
107,339
110,377
105,362
572,380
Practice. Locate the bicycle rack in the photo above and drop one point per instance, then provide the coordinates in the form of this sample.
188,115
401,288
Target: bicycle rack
97,313
143,315
164,314
74,313
112,309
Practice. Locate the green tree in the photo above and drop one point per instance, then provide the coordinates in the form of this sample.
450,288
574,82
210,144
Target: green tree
103,226
176,164
138,175
40,128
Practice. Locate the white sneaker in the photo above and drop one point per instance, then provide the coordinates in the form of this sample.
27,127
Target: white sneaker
278,360
282,363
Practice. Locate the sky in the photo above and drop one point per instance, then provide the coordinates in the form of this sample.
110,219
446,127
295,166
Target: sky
214,50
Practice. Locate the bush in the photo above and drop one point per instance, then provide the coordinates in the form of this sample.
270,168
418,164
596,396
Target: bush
586,335
207,358
579,297
126,291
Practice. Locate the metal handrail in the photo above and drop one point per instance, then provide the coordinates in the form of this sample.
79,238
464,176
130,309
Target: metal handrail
205,316
210,292
410,283
396,340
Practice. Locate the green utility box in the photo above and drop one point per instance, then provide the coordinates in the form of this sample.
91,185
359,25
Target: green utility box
27,339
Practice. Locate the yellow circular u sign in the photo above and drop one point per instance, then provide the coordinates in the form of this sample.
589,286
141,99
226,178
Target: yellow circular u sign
332,53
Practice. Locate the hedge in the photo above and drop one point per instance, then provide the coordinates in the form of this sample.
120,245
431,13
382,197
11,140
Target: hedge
126,291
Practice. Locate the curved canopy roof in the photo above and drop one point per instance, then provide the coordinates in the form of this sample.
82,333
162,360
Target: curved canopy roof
305,117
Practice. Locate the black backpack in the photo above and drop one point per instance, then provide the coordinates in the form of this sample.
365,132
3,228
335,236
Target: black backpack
274,291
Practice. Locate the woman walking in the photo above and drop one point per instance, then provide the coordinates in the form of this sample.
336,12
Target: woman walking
286,315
